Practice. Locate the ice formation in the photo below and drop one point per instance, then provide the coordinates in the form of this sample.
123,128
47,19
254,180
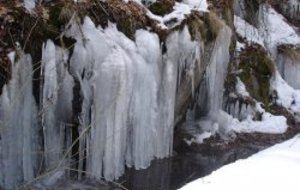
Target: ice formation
19,138
126,92
56,101
130,95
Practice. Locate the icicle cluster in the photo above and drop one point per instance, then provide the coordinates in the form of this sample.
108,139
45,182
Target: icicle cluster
126,91
19,129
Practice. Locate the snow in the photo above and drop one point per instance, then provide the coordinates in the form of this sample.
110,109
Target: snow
275,30
277,167
179,13
241,88
199,138
239,46
29,5
279,31
200,5
269,124
240,120
286,96
247,31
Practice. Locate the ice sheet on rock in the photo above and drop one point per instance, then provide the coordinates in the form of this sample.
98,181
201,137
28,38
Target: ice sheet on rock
247,31
210,95
186,54
19,142
288,64
216,70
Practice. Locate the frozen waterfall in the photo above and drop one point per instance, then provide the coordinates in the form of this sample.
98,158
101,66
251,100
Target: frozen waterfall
129,90
126,91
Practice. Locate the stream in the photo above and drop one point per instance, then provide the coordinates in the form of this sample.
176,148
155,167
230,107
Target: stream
183,167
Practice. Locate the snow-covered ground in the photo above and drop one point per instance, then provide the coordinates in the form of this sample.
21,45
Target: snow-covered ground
275,168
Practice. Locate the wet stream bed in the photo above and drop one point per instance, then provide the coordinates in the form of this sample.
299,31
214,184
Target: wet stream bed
187,164
174,172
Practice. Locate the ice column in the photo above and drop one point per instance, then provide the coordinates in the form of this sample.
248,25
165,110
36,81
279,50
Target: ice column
19,140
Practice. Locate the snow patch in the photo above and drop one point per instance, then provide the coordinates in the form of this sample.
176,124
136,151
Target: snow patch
241,88
286,96
179,13
275,30
29,5
247,31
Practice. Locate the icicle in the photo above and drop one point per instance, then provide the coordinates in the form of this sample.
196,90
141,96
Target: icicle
56,104
19,141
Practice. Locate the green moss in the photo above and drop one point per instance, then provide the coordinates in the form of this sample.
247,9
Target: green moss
160,8
257,69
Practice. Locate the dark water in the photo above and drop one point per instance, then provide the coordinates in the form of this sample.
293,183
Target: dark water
175,172
165,174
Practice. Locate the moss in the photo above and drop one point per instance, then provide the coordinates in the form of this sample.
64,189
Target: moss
162,7
197,26
224,9
257,69
252,7
203,25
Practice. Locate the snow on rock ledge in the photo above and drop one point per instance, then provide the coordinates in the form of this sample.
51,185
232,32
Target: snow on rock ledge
286,96
247,31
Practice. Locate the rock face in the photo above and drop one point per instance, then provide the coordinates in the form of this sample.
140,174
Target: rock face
104,83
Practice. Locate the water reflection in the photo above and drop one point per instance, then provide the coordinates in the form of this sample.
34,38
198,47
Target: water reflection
173,173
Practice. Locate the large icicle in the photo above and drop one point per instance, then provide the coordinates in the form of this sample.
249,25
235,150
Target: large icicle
210,97
19,140
56,104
